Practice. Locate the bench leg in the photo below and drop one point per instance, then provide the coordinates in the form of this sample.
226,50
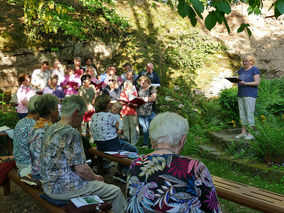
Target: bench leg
10,146
7,187
100,165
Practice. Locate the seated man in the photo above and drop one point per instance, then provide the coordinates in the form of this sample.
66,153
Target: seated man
63,165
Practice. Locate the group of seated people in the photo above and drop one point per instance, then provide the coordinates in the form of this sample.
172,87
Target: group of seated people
49,147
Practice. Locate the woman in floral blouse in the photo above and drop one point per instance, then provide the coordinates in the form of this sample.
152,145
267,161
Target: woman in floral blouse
164,181
47,108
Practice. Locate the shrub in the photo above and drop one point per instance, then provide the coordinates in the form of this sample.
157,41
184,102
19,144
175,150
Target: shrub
269,139
51,22
229,104
9,119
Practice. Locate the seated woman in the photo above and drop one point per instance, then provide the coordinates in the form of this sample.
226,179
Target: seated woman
47,107
164,181
104,126
24,93
20,141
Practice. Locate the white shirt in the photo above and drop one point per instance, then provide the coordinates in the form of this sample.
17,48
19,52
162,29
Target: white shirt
40,78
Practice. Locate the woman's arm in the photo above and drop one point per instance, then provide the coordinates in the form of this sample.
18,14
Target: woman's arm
254,83
152,98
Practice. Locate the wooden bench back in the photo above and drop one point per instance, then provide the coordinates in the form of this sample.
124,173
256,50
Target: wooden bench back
249,196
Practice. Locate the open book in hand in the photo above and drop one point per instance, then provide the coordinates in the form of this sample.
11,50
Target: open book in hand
233,79
97,85
134,101
86,200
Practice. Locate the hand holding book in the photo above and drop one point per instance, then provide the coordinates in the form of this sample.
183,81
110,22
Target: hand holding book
233,79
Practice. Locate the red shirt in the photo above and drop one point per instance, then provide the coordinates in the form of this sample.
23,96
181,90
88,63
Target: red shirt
79,72
127,110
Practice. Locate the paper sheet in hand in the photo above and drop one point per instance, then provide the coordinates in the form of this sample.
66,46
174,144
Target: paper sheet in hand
233,79
86,200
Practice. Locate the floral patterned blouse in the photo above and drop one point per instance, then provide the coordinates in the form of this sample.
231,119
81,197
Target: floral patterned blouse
21,150
35,139
170,183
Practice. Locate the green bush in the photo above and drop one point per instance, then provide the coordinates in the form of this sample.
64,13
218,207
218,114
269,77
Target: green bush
9,119
269,137
51,22
268,93
229,104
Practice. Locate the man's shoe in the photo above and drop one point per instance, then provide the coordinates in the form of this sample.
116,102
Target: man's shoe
249,137
241,136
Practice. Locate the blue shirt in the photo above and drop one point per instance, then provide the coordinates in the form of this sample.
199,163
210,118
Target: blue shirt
57,92
247,76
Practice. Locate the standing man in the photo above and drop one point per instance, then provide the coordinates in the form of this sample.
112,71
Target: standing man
154,77
40,77
64,169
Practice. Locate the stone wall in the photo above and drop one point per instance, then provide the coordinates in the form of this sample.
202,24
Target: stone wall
26,60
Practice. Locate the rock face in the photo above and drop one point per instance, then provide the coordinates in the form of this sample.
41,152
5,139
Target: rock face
25,60
266,42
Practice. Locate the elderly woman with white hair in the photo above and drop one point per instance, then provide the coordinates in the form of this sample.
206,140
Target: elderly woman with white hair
164,181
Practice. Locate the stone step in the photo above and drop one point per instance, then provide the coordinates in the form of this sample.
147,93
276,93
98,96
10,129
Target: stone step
226,137
220,141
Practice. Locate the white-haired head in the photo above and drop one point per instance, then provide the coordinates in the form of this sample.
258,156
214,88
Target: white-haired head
72,103
168,127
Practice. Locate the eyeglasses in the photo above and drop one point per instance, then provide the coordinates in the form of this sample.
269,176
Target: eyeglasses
111,80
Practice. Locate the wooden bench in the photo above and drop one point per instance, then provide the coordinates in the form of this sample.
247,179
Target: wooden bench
242,194
34,192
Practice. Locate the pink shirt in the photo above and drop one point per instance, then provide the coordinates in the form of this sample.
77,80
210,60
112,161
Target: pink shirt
24,94
71,81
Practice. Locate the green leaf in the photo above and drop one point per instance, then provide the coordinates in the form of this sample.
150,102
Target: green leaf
220,17
276,12
227,26
210,20
198,6
249,32
223,6
241,28
280,6
183,8
192,16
